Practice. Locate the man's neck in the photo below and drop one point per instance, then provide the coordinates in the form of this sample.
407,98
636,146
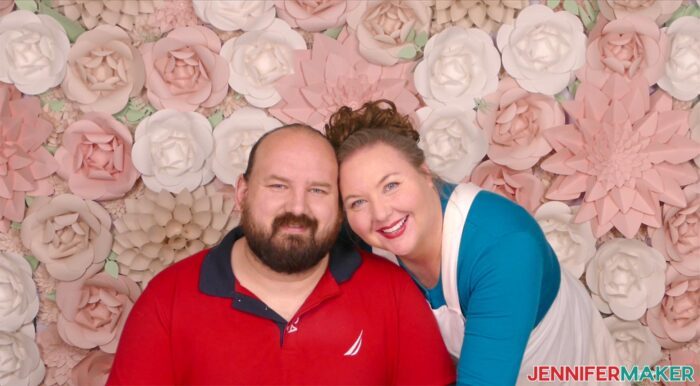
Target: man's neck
284,293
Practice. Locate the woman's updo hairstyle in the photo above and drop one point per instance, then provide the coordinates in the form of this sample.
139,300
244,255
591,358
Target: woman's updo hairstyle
375,122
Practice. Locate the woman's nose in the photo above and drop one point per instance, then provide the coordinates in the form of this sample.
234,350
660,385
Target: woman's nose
381,211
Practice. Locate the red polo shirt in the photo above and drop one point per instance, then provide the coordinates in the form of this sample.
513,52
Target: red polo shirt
364,323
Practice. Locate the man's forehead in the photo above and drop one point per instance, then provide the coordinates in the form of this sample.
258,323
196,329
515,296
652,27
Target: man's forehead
294,150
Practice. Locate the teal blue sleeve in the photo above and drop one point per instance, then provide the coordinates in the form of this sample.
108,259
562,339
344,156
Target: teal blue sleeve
500,298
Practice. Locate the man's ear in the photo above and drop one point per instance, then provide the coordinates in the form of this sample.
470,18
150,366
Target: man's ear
241,191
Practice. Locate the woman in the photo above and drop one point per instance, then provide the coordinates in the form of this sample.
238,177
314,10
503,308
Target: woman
475,255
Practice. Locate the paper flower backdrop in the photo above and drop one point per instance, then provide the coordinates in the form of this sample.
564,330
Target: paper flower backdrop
125,124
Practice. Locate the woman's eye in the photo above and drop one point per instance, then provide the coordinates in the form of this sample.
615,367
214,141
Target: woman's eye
357,204
391,186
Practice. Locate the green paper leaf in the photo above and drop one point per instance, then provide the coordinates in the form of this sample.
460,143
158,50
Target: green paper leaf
421,39
16,225
687,10
333,32
73,28
134,115
553,3
51,149
27,5
56,105
32,261
112,268
28,200
216,118
51,296
571,6
408,52
411,35
112,256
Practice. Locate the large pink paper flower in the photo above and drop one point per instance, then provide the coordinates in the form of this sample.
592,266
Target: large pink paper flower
332,75
676,320
514,121
679,237
684,357
104,70
627,47
626,151
94,309
93,370
6,6
520,186
314,15
24,163
184,70
657,10
95,157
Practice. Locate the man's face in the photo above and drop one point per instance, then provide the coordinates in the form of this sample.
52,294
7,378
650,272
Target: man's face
290,211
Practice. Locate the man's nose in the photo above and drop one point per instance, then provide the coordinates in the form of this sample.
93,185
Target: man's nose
297,201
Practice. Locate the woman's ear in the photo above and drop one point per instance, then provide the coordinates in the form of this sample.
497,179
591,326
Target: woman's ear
428,175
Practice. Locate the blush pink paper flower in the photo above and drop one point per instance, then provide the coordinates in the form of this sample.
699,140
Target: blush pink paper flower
331,75
657,10
95,157
94,309
93,370
626,151
514,121
520,186
683,357
314,15
60,358
679,237
676,321
627,47
6,6
172,14
104,70
24,164
184,70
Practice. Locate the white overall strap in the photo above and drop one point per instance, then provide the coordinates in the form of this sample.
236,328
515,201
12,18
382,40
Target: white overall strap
455,217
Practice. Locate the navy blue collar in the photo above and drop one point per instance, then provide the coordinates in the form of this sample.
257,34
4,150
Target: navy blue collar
216,276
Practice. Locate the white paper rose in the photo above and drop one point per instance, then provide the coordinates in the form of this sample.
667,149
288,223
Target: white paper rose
33,51
573,243
227,15
635,344
383,28
458,66
173,151
626,277
258,59
543,49
681,76
21,364
452,142
19,302
235,137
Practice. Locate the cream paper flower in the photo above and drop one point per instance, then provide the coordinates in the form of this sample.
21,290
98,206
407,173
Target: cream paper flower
173,151
19,302
21,363
67,234
235,137
681,76
458,66
124,13
452,142
314,15
257,59
104,70
626,277
160,229
227,15
383,27
543,49
33,51
695,128
486,15
635,344
656,10
573,243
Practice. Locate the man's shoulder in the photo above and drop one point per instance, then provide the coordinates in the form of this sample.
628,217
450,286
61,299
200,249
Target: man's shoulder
381,270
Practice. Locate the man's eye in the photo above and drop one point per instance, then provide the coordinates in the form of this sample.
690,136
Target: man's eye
277,186
317,191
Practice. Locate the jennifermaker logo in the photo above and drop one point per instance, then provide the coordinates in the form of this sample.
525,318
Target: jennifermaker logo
612,373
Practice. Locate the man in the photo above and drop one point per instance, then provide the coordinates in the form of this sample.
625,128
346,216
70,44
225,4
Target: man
279,300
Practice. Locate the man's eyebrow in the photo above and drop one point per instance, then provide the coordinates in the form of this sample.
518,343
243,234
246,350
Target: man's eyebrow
286,180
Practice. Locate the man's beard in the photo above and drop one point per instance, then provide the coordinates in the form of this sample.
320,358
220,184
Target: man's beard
288,253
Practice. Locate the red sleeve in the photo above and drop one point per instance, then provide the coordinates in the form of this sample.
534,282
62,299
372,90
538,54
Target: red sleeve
144,355
422,358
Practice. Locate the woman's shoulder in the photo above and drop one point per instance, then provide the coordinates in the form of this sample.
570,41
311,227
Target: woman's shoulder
496,216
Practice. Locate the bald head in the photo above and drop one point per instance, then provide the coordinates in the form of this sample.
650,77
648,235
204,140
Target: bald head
295,132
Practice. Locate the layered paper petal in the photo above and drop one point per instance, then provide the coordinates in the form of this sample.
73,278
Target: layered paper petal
520,186
246,15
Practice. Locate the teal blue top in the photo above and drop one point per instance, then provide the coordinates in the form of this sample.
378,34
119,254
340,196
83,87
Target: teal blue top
507,276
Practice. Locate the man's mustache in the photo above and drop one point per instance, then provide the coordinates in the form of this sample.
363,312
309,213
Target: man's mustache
291,219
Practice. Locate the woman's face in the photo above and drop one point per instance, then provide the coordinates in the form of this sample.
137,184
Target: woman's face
389,203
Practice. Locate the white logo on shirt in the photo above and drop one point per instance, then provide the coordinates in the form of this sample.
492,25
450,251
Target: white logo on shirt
355,348
293,327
